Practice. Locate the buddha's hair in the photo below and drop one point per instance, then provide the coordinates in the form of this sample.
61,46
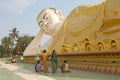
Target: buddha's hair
51,9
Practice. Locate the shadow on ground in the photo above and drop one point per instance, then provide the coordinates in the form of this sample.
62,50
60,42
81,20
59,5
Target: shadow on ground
6,74
73,75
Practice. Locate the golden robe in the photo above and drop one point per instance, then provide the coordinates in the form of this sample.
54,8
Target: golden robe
45,62
88,26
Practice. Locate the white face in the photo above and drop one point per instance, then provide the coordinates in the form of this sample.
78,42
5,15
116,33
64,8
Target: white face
47,21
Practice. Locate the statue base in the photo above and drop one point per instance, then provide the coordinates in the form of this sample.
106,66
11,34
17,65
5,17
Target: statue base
105,62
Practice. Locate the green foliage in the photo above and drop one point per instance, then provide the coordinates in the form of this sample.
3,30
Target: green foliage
14,44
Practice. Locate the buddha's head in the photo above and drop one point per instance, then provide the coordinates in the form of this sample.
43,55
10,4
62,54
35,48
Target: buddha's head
48,19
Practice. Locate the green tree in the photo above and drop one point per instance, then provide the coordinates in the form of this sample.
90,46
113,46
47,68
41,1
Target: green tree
22,43
7,45
1,51
14,35
14,44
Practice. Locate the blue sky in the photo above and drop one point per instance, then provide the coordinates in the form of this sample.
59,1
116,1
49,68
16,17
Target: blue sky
22,14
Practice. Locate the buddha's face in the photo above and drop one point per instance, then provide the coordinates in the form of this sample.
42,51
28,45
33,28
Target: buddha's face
47,21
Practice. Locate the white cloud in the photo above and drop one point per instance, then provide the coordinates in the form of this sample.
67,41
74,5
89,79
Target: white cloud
15,6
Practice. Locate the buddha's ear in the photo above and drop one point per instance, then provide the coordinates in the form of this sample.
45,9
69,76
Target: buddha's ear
59,13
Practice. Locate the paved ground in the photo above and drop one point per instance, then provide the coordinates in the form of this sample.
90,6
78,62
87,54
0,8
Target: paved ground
12,72
73,75
23,71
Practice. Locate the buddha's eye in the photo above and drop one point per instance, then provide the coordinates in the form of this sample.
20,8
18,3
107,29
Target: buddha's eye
41,23
46,18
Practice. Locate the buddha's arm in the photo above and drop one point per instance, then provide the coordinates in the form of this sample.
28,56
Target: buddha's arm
33,46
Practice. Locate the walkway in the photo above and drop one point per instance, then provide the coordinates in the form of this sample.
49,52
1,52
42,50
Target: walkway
12,72
73,75
23,71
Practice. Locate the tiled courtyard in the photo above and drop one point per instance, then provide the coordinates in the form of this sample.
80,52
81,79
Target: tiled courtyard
23,71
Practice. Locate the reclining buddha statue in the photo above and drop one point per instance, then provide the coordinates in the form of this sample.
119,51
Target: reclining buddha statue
86,28
50,21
